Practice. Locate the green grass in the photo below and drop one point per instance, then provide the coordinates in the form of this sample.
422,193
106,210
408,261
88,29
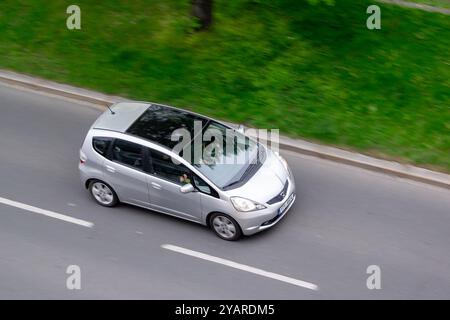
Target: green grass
314,72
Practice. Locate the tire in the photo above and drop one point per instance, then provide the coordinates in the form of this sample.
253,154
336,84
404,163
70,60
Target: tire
225,227
103,194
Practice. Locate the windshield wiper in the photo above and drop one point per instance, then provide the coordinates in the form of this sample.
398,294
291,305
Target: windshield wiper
232,184
246,172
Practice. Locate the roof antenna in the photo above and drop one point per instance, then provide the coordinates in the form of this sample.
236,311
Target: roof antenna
112,112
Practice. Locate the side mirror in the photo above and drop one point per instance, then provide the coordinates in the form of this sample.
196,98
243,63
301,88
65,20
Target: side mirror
187,188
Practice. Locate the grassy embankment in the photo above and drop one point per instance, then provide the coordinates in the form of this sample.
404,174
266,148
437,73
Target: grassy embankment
314,72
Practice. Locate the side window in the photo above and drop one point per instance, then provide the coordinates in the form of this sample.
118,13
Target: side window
128,153
101,145
165,168
203,186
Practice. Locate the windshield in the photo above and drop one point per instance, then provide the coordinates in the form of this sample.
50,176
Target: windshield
227,156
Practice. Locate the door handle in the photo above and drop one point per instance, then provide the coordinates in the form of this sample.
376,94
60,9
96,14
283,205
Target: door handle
110,169
156,186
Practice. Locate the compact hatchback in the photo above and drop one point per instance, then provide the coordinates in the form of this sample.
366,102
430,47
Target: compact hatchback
132,154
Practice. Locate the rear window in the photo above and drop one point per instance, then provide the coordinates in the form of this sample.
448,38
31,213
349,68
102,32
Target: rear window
101,145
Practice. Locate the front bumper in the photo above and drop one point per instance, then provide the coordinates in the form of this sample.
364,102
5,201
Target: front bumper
260,220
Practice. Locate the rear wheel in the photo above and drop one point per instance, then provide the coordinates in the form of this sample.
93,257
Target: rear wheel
103,193
225,227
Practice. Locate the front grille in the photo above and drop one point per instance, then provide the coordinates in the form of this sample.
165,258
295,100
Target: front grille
279,197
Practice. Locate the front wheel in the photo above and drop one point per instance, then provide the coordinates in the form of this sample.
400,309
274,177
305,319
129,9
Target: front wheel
103,193
225,227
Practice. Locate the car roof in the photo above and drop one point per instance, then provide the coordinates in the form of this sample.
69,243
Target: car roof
150,121
123,115
159,123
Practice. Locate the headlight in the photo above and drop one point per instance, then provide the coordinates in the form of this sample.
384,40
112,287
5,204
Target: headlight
242,204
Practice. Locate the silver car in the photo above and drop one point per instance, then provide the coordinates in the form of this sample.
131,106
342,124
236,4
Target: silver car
129,156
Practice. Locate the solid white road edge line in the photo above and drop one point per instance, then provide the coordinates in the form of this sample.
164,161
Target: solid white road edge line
242,267
47,213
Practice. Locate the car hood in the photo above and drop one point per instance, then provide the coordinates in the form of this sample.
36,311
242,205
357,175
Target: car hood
266,183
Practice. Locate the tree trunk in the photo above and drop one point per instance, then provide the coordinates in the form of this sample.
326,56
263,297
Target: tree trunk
202,10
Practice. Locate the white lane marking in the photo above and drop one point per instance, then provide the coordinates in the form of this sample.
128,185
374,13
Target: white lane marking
47,213
242,267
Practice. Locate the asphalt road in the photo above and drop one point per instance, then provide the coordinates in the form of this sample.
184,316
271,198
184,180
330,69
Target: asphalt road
344,220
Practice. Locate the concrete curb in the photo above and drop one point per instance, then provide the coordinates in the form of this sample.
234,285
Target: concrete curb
419,6
296,145
54,88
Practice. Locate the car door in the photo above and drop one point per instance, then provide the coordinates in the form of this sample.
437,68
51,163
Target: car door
164,181
124,171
